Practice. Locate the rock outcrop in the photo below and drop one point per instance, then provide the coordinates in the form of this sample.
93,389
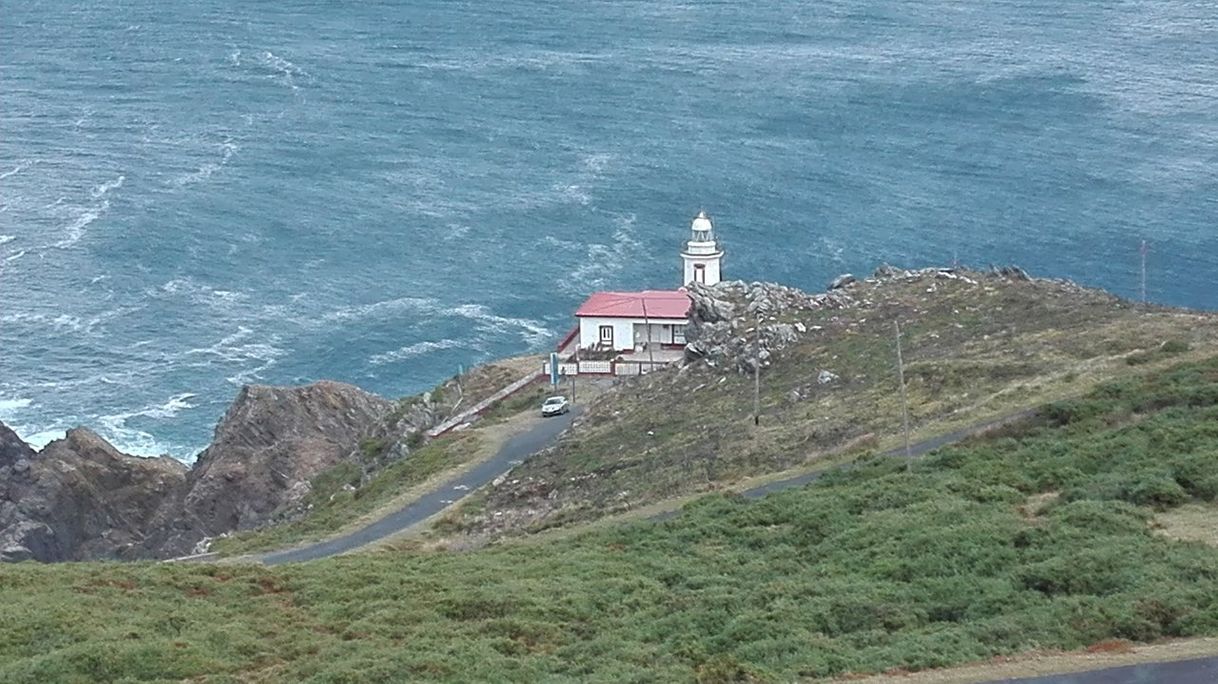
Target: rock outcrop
738,325
79,498
267,448
741,324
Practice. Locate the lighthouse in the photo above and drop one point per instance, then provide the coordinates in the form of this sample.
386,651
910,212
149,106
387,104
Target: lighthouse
703,255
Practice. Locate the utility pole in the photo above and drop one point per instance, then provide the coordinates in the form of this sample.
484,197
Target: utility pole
904,395
757,371
1144,250
651,355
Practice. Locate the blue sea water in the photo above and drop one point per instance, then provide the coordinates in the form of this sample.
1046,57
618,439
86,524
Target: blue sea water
199,195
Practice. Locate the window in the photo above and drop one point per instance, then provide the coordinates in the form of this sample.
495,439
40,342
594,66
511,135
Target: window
607,335
678,334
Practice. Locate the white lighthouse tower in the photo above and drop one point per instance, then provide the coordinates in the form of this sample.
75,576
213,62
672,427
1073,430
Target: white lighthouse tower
702,255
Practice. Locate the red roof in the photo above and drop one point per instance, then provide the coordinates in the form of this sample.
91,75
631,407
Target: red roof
659,304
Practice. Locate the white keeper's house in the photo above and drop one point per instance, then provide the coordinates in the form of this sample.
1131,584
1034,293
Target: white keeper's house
627,333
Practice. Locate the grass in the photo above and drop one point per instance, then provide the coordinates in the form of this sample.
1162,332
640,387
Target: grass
338,500
1040,536
973,351
1190,522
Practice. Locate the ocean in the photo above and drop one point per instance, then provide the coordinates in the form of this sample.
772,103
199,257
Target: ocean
195,196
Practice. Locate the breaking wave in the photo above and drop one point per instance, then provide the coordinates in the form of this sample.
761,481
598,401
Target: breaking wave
412,350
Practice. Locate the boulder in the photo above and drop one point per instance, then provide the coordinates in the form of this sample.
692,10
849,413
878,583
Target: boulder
842,281
887,272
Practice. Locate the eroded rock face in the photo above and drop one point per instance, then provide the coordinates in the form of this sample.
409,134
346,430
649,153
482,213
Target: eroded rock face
270,444
79,498
725,319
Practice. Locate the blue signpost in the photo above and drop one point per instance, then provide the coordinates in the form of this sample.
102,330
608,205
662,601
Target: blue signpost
553,368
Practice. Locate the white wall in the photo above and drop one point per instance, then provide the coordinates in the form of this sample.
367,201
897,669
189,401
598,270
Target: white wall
713,274
624,329
623,332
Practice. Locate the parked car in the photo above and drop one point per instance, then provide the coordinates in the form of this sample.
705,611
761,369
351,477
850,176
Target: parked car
555,406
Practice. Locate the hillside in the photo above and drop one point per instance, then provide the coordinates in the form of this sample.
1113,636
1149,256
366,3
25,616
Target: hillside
1046,536
977,345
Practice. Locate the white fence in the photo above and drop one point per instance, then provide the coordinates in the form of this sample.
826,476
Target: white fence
619,368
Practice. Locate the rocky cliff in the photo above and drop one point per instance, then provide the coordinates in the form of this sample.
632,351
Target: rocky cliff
80,499
267,448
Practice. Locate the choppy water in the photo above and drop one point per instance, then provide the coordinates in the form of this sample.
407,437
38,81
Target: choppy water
199,195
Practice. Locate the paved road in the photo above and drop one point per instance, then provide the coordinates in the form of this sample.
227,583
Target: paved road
515,451
1197,671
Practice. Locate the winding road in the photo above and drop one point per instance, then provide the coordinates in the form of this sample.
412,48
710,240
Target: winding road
515,451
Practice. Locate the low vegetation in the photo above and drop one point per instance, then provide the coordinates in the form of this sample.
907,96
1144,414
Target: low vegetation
1039,537
976,347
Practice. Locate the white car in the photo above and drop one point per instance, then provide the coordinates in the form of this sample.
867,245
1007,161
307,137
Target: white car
555,406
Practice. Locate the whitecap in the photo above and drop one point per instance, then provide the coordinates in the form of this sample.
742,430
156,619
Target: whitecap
4,239
15,256
100,191
10,406
596,163
137,442
413,350
234,349
383,308
76,229
13,171
285,70
40,439
602,261
533,332
227,150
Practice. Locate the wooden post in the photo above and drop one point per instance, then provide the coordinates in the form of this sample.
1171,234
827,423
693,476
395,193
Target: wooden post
651,356
904,395
757,371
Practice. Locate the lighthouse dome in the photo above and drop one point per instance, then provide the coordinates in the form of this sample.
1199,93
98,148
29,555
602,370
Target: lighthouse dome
702,223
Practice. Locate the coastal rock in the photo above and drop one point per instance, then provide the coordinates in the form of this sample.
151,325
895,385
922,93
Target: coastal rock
887,271
268,446
79,498
12,449
842,281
